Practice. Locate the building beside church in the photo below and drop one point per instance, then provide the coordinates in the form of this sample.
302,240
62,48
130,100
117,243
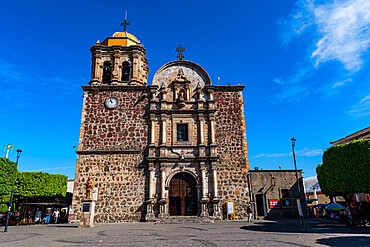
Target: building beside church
176,147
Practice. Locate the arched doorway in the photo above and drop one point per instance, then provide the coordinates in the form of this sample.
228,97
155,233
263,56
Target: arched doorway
183,195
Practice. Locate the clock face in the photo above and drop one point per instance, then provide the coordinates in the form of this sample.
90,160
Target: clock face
111,102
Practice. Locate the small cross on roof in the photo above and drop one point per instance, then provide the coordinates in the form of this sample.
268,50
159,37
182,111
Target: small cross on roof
180,49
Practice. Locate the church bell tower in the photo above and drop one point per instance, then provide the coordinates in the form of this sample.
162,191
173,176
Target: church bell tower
119,60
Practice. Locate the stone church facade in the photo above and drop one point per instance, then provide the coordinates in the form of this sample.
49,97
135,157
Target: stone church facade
176,147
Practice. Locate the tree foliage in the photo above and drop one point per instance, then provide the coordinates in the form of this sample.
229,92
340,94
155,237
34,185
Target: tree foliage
7,174
345,169
40,184
29,184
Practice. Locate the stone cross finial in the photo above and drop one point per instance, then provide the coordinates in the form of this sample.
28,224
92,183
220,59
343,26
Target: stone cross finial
180,49
125,23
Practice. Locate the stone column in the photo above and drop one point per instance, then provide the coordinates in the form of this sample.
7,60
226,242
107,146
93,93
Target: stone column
150,202
164,131
151,182
201,127
204,200
115,72
204,188
96,77
135,64
152,131
212,145
212,131
215,188
163,209
201,147
215,199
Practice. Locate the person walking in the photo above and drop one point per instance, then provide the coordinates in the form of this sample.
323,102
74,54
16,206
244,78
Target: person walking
48,214
249,212
56,215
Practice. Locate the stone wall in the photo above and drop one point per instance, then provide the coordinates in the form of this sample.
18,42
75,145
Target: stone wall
121,128
121,181
111,149
231,148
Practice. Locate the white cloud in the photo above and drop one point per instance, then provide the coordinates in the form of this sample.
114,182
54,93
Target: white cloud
362,109
339,30
50,169
304,152
344,27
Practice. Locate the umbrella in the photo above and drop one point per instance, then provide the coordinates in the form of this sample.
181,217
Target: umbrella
334,206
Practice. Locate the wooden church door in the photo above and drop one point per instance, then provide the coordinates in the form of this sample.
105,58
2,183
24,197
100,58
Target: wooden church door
183,195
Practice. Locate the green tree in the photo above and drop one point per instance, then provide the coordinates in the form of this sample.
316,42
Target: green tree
7,174
29,184
40,184
345,169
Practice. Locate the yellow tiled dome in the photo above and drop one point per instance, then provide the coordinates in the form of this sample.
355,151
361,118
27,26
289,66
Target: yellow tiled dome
121,38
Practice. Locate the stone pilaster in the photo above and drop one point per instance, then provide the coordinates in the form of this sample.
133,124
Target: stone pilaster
204,200
151,186
96,74
163,202
215,199
135,64
116,73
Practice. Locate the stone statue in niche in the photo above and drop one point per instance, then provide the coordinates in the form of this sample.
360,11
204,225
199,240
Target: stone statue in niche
89,188
181,96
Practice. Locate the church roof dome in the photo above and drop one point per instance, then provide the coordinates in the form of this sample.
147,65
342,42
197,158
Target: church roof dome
121,38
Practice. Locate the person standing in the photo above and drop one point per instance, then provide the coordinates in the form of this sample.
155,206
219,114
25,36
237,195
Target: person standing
48,214
38,216
249,212
56,215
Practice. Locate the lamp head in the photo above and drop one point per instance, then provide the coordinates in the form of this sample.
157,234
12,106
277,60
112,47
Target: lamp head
293,141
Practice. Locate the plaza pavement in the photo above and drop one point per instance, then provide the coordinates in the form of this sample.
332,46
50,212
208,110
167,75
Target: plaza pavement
221,233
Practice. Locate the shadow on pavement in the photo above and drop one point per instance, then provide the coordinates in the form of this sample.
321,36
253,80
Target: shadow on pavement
65,225
293,226
345,241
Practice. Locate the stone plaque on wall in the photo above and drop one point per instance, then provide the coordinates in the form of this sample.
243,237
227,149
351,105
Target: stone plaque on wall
86,207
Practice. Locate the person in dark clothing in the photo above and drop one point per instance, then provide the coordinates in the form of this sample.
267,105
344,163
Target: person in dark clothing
250,213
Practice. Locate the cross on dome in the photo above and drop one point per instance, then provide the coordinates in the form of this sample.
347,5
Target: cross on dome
180,49
125,23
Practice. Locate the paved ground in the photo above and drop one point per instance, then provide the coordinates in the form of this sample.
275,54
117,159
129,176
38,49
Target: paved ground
222,233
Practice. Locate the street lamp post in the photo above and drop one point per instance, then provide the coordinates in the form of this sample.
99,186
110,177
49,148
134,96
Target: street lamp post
11,195
296,175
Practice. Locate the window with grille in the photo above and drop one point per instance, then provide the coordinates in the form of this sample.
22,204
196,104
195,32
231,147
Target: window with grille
182,133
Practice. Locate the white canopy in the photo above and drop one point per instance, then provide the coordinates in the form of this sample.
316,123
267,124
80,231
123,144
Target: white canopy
311,183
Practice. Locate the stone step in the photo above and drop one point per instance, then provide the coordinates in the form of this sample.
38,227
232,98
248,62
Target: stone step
185,220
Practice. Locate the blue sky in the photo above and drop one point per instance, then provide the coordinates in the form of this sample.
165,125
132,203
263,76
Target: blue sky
305,65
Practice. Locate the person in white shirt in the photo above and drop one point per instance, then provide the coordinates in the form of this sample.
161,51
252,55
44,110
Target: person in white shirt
56,215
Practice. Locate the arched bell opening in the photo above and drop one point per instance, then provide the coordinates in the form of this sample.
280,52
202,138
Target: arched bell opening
107,72
126,71
183,195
